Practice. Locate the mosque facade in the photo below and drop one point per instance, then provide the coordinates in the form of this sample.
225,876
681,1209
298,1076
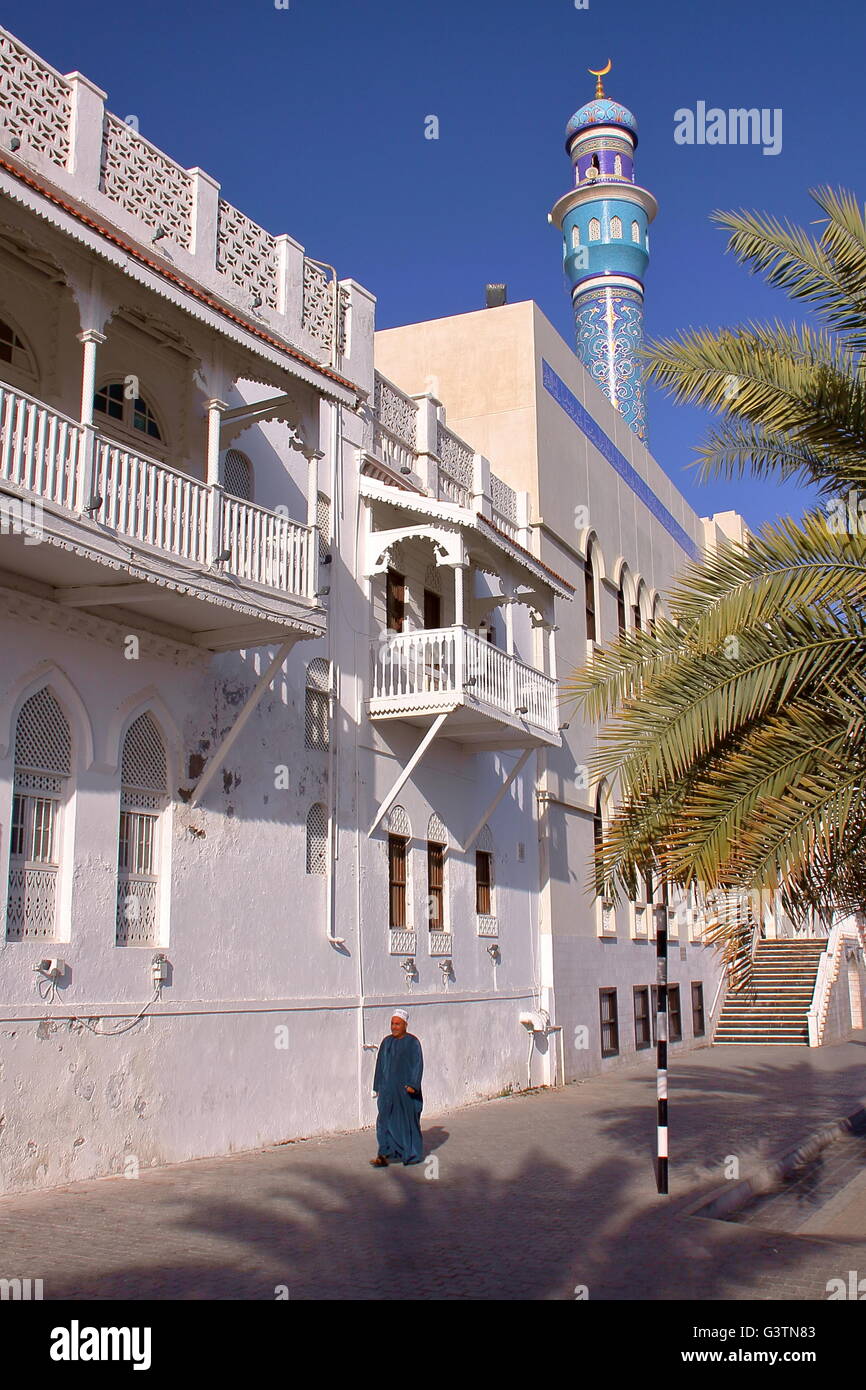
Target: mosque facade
286,604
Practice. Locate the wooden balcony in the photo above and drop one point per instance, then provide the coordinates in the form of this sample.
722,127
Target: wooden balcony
125,534
492,699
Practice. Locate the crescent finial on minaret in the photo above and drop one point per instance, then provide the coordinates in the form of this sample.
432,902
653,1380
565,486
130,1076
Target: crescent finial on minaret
598,74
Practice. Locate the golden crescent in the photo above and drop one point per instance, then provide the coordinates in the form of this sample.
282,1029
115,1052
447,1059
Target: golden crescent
601,72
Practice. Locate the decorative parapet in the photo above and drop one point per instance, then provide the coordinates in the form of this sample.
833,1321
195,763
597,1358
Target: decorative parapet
247,254
324,301
59,125
395,411
486,925
455,468
440,943
504,502
36,101
144,181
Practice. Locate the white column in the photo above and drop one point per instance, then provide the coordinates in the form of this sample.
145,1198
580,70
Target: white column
312,456
509,627
459,595
85,491
551,651
215,409
91,340
213,478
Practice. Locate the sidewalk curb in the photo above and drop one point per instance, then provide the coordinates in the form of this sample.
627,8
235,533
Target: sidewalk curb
724,1201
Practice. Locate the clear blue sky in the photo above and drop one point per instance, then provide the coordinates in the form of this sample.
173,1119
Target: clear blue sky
312,119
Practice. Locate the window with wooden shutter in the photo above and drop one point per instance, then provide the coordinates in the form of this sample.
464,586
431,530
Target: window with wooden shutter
435,885
397,856
642,1028
609,1022
483,879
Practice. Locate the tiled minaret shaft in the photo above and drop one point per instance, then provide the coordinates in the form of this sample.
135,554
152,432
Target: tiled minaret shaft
604,220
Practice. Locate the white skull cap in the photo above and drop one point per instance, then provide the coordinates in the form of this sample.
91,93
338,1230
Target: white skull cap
401,1013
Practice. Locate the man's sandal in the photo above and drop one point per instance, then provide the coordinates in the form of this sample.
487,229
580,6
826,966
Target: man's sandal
379,1162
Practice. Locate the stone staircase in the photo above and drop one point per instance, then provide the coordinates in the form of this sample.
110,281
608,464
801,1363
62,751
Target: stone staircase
775,1009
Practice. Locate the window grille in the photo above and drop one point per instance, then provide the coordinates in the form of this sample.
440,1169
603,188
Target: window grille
323,522
238,475
594,229
43,763
575,238
436,830
617,165
317,839
398,822
616,228
317,715
143,797
635,232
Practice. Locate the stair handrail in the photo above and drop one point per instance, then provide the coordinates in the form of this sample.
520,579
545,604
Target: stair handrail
828,970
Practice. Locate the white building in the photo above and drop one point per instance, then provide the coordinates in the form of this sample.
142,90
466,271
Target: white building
280,736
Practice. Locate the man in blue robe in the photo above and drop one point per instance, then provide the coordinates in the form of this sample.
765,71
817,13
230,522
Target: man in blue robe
397,1084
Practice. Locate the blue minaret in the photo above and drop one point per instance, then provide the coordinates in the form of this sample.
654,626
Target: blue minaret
604,221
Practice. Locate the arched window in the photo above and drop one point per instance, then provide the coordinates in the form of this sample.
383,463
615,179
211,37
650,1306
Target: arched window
143,798
238,475
598,828
14,350
594,229
616,228
605,912
118,402
589,592
575,237
621,621
317,839
43,766
617,165
635,233
317,714
437,839
484,875
399,835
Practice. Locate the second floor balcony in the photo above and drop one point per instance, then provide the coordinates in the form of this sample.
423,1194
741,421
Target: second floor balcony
110,529
492,698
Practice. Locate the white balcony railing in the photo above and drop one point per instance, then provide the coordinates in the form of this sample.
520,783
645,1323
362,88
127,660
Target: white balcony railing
438,662
54,458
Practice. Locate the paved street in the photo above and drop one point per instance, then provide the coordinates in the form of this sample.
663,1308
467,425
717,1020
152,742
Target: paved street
535,1195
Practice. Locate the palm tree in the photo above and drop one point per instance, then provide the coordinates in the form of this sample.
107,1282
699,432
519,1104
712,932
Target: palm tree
736,729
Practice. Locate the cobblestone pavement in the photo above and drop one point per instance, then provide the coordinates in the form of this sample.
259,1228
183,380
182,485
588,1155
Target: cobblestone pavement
535,1195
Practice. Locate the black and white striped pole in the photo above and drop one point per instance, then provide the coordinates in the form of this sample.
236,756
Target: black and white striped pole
662,1046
